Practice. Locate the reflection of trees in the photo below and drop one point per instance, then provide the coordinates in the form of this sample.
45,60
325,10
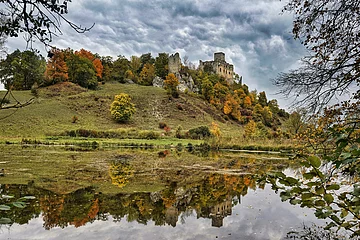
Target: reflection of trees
209,195
120,172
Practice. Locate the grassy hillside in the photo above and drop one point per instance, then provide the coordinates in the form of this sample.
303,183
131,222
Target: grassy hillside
53,111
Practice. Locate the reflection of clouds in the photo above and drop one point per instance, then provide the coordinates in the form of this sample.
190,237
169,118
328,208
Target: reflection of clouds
261,215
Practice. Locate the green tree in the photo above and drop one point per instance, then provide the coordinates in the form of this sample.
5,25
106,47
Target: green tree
162,65
20,70
81,71
120,66
207,88
108,65
295,122
262,100
122,108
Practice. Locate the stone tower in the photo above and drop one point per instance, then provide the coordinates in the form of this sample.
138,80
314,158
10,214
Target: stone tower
174,63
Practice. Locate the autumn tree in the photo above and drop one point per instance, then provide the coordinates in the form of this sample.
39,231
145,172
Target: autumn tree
56,68
147,74
329,30
232,107
95,61
171,82
122,108
247,102
250,129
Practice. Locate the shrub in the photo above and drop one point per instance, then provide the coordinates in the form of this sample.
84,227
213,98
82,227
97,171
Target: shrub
199,132
162,125
74,119
121,108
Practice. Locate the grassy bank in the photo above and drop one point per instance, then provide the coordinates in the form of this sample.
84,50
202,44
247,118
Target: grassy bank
51,117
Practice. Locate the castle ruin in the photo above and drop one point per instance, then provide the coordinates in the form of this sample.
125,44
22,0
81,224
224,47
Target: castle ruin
219,66
174,63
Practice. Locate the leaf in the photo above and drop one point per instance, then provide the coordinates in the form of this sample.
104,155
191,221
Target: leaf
28,197
292,181
333,187
307,196
5,220
319,203
309,175
19,204
319,190
328,198
4,207
314,161
330,225
6,196
295,201
344,213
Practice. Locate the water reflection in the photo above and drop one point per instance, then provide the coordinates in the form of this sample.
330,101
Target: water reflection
218,196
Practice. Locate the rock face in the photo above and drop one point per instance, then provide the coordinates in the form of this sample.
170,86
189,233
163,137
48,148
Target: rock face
186,83
158,82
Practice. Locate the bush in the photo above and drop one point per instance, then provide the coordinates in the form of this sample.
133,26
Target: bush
121,108
199,132
162,125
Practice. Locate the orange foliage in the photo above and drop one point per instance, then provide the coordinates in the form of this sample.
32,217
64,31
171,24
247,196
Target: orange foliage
51,208
93,211
232,107
247,102
98,67
56,69
85,54
96,62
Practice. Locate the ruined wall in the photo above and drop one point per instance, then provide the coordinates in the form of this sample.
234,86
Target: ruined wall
174,63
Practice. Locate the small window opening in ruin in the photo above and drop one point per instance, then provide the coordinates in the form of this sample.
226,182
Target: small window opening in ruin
220,69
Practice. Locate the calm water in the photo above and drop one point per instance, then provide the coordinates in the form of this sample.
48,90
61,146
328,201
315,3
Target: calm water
129,194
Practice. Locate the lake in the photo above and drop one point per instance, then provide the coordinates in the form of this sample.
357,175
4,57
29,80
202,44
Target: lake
145,194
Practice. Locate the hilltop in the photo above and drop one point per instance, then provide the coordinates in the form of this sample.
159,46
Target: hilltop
53,111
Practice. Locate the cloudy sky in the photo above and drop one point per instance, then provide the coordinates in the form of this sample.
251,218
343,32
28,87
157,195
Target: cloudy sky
253,34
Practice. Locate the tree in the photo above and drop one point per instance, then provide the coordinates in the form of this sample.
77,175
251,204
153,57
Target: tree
329,29
122,108
295,122
39,19
262,100
162,65
171,82
95,61
81,71
56,68
147,74
20,70
120,66
250,129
